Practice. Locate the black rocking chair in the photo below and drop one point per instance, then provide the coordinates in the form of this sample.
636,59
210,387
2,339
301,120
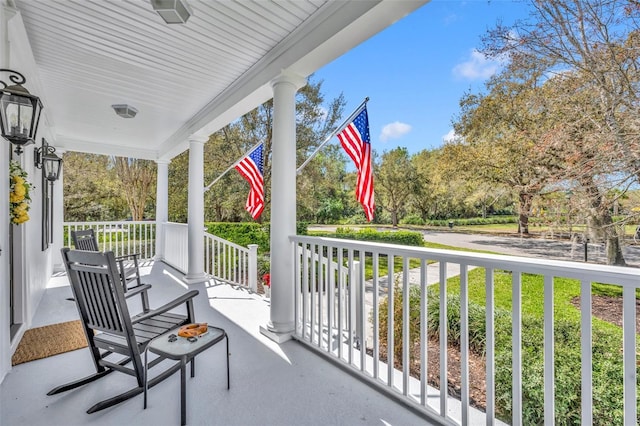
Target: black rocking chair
108,326
128,265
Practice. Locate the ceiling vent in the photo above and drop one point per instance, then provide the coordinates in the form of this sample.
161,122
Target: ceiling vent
172,11
125,111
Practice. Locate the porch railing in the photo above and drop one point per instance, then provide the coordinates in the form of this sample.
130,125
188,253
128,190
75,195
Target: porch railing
340,316
223,260
124,237
176,245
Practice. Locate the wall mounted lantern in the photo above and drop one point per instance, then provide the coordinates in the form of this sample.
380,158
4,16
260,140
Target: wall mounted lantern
19,111
172,11
45,158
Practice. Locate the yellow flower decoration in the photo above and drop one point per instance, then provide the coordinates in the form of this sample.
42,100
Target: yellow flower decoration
19,189
19,198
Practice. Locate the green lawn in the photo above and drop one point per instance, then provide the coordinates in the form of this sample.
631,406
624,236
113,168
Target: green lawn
606,343
564,291
383,268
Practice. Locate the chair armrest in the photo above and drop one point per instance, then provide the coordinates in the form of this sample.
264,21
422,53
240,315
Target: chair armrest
137,290
167,306
132,256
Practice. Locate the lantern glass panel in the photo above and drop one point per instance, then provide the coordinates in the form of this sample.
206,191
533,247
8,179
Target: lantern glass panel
51,166
18,112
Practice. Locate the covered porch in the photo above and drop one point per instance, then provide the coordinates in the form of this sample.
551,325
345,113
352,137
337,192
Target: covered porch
82,57
88,61
271,384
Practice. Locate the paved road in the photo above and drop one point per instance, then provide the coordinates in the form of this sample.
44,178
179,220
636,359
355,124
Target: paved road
518,246
531,247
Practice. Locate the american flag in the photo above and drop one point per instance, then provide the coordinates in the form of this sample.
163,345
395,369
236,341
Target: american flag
251,168
356,141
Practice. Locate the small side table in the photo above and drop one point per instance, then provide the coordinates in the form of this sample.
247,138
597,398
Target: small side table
184,351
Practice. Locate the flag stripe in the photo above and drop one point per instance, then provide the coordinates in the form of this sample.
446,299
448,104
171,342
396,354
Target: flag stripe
251,168
356,142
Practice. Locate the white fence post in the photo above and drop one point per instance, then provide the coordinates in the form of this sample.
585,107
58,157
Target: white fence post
253,267
357,298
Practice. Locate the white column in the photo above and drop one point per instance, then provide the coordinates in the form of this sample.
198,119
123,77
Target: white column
283,206
195,272
58,217
162,205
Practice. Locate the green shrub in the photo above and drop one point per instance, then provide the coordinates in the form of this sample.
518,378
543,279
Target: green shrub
408,238
356,219
245,233
412,219
474,221
607,358
264,265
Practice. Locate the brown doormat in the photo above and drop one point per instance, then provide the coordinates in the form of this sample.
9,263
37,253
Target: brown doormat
42,342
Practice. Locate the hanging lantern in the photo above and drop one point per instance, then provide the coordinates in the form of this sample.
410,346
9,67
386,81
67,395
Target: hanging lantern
19,111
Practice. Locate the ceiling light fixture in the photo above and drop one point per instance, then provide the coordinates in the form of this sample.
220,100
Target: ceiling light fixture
124,110
172,11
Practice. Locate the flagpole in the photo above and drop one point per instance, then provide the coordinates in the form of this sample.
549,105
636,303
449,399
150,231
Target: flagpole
344,124
206,188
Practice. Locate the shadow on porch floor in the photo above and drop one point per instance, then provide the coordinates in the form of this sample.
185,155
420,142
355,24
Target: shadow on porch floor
271,384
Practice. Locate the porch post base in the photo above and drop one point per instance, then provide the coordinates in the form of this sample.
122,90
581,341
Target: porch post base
195,278
276,336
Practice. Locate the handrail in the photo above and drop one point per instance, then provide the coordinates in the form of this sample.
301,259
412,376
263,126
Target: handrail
230,262
223,260
336,314
121,237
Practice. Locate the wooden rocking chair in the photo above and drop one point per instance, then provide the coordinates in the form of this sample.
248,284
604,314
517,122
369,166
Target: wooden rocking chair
108,326
128,265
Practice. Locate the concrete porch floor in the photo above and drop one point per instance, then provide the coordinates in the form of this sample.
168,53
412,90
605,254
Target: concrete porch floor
271,384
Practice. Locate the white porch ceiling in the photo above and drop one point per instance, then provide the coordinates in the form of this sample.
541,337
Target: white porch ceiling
183,79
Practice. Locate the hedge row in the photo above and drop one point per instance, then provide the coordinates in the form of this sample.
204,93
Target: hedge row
245,233
417,220
407,238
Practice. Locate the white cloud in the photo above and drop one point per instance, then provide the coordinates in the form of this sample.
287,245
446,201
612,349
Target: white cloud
394,130
477,67
449,137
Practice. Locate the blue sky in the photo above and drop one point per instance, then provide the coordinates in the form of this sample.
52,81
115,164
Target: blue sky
416,71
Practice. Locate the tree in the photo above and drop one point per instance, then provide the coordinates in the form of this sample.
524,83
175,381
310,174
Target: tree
91,190
594,166
321,178
598,39
396,180
484,196
177,191
589,51
137,183
498,135
424,199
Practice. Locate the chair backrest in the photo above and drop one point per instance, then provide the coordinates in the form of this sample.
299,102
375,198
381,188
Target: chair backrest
95,282
85,240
